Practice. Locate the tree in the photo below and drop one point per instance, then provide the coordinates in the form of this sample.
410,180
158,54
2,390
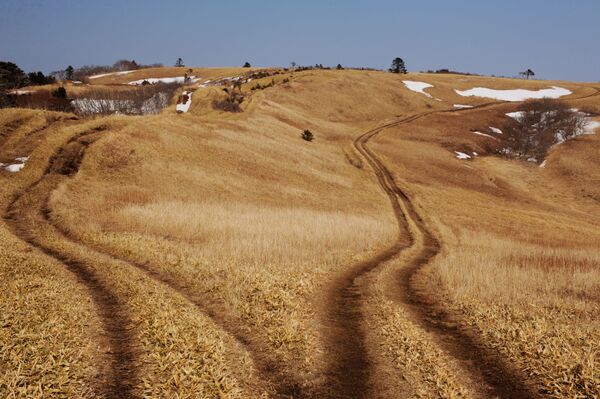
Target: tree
69,72
246,64
540,124
293,64
307,135
179,62
38,78
339,66
398,66
11,76
527,73
125,65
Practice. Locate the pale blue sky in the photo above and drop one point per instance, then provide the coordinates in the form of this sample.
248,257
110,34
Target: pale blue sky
557,39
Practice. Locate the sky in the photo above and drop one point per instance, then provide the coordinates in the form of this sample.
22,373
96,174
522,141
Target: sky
557,39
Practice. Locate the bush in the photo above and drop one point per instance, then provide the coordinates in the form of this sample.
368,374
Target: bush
246,64
539,125
307,135
60,92
231,103
140,100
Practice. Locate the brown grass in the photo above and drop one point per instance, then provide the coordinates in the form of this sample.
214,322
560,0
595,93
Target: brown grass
247,215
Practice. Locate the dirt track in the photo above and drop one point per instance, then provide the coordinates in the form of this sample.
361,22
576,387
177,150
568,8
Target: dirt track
26,218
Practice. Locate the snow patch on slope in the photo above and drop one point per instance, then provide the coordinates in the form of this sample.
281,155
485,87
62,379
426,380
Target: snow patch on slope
418,87
514,95
16,167
185,107
109,74
177,79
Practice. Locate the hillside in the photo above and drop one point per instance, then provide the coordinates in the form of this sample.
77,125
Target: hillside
206,253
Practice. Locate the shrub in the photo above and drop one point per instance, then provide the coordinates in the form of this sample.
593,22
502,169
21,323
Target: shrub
60,92
307,135
139,100
246,64
539,125
231,103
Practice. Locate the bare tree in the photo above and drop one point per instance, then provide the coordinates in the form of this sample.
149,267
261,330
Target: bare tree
538,125
527,73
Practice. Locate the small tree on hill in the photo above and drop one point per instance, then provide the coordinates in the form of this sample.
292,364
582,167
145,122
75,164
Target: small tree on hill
179,62
527,73
339,66
60,92
69,72
307,135
398,66
247,64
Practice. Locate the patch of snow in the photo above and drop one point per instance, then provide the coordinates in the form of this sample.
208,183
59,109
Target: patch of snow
110,73
514,95
590,127
543,164
516,115
16,167
475,154
418,87
485,135
177,79
495,130
461,106
462,155
21,92
184,107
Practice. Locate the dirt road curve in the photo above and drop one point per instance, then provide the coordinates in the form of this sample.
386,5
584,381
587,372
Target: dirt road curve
26,218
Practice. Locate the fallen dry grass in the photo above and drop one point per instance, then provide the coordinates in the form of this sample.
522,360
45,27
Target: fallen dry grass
247,216
519,261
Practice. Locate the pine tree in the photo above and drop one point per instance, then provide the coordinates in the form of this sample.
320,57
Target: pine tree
398,66
179,62
69,72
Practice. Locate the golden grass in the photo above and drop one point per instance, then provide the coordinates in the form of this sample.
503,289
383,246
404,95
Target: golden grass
47,320
520,260
243,212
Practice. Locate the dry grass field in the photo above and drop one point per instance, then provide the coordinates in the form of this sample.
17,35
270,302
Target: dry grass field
213,254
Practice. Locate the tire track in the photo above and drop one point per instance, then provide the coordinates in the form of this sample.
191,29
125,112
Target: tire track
23,215
344,319
350,371
271,371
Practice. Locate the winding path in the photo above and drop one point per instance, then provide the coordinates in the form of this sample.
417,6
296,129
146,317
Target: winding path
25,217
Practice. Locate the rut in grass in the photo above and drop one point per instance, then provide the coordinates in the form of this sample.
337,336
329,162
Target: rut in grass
25,216
67,162
489,375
